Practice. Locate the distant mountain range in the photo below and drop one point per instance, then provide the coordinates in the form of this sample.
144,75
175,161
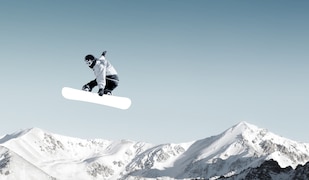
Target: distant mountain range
243,151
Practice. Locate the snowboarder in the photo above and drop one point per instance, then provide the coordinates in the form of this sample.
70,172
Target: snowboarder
106,76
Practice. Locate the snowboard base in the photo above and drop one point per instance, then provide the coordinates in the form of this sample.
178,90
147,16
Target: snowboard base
107,100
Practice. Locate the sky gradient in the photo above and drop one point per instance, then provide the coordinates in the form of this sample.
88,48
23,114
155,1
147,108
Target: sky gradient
191,68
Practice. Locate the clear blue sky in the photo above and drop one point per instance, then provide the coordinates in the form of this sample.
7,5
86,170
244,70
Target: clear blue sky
191,68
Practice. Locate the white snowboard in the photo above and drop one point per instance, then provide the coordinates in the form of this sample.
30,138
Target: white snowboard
107,100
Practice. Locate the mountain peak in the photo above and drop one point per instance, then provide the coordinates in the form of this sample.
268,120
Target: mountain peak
242,130
244,123
243,126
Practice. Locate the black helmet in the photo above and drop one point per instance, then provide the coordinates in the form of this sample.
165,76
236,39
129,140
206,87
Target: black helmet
89,57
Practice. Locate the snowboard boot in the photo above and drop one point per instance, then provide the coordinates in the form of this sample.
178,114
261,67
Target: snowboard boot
86,88
108,92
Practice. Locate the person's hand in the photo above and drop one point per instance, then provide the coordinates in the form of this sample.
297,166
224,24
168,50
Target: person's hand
101,92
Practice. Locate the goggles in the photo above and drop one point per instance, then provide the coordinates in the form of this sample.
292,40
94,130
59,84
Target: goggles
88,61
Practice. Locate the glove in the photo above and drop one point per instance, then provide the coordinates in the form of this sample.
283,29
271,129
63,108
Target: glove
103,53
101,92
87,88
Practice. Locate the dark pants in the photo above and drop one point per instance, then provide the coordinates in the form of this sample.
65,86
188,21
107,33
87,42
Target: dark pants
111,83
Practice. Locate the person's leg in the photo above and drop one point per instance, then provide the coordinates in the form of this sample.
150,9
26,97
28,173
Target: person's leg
111,83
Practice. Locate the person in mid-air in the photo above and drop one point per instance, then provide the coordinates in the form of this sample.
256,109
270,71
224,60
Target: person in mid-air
106,76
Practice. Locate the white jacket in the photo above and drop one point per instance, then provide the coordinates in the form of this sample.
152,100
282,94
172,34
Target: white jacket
103,68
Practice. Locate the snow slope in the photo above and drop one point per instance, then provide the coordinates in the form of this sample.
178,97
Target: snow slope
12,166
238,148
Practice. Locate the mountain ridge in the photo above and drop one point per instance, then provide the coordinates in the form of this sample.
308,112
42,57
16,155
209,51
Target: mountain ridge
239,148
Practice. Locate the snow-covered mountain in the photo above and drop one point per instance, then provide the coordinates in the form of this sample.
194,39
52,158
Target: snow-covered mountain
237,152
